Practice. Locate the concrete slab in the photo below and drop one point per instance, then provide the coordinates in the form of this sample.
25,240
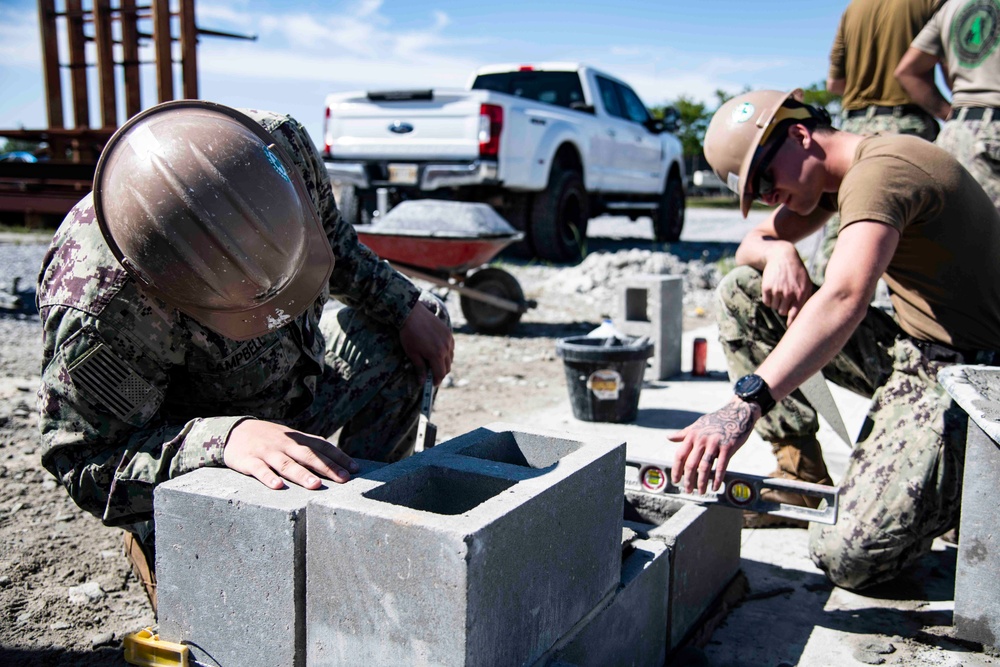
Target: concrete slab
483,550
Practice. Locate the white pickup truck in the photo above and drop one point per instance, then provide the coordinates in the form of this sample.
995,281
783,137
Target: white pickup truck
549,146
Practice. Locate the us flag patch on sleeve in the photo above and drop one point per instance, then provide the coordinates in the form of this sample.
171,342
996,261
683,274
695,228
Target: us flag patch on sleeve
105,378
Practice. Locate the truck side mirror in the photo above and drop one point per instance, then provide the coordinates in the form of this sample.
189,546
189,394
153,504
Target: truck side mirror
582,106
671,119
655,125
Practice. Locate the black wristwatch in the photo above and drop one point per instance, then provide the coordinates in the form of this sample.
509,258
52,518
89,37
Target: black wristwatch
752,389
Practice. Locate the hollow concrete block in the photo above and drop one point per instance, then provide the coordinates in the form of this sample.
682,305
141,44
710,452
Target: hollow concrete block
652,305
628,628
704,544
486,549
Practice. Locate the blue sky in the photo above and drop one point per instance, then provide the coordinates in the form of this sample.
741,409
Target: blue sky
307,49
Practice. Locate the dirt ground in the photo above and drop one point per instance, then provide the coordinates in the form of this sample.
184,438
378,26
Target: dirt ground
67,596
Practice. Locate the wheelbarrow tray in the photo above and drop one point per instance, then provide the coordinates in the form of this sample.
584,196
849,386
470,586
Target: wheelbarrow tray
440,252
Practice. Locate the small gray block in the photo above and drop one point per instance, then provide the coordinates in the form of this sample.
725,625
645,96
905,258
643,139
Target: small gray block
704,545
230,566
483,550
629,629
653,305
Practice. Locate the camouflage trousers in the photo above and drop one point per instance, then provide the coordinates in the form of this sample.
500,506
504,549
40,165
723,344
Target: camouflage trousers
976,144
902,486
369,390
921,125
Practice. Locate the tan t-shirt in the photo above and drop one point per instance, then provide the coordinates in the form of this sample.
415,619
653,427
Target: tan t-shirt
964,34
945,274
872,37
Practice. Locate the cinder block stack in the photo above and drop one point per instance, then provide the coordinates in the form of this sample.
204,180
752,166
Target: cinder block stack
498,547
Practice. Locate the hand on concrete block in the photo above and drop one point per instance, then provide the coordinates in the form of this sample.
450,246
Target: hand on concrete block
273,453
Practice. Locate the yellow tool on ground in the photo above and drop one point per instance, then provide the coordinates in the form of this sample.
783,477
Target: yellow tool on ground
146,649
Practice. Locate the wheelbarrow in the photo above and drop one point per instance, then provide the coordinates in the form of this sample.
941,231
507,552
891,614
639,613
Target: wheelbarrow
491,299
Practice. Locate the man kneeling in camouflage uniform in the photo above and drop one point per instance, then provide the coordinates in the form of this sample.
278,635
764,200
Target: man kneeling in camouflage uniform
909,213
184,326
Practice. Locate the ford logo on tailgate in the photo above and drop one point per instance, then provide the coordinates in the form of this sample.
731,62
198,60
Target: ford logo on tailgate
399,127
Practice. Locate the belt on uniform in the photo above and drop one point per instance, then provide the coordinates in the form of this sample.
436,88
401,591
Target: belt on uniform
974,113
940,352
875,110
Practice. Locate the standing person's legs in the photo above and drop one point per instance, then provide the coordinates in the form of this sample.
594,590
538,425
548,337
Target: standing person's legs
903,483
370,389
976,145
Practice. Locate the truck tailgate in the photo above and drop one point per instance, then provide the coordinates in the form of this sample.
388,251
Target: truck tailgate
443,128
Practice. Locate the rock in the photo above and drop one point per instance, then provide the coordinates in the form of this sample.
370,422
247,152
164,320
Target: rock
103,639
24,617
49,485
87,593
871,653
61,625
4,581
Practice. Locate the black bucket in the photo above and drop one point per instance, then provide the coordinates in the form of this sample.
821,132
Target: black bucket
604,376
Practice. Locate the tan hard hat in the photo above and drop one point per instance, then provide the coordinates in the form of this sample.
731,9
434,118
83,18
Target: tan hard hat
739,127
208,213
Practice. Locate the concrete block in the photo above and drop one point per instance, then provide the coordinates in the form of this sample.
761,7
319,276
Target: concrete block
704,544
230,565
486,549
652,305
977,588
627,629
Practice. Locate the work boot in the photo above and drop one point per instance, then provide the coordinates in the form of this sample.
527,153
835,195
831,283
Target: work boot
143,566
800,460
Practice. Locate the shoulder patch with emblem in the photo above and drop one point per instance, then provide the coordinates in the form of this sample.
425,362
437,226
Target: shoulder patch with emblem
111,382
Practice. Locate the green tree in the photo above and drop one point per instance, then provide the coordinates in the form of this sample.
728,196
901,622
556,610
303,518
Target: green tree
692,121
817,95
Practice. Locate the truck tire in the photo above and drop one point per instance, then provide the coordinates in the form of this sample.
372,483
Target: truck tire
516,212
668,222
348,205
559,218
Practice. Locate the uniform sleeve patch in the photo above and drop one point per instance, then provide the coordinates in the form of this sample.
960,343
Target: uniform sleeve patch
104,377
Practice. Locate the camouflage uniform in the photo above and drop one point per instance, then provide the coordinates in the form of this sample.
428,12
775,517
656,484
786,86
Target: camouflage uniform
135,392
902,485
921,125
976,144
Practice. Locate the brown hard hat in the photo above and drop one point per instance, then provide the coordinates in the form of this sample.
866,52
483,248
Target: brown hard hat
208,213
739,127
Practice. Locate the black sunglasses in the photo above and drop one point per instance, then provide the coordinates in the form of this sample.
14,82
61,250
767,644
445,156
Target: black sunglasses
762,181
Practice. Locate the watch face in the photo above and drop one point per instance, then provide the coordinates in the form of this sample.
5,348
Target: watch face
748,385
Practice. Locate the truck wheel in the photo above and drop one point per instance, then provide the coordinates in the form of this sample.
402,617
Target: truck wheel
348,205
668,222
559,218
516,212
483,317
